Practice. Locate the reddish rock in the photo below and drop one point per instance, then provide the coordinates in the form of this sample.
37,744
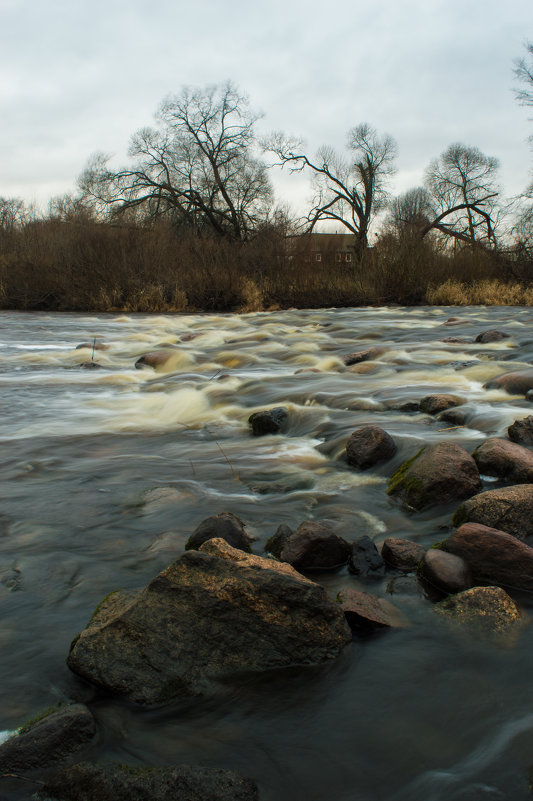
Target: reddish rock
507,509
368,446
363,356
437,474
403,554
506,460
455,321
212,614
314,546
433,404
365,612
493,556
515,383
457,340
522,431
156,358
446,571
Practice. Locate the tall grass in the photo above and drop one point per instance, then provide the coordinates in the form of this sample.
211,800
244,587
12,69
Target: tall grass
84,265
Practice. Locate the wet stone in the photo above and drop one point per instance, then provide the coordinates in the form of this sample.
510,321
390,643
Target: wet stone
363,356
401,554
488,611
55,735
507,509
433,404
271,421
446,571
365,559
522,430
368,446
491,336
365,612
505,460
315,546
89,782
225,526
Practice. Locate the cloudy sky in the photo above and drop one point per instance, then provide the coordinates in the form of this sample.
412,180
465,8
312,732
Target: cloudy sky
79,76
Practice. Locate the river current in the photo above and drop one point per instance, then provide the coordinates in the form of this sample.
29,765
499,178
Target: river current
106,472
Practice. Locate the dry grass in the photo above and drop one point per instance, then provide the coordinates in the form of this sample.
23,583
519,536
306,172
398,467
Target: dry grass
486,292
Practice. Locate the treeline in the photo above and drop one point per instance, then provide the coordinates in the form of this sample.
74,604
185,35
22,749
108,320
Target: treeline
190,223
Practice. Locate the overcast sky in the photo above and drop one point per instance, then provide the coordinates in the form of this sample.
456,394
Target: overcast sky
79,76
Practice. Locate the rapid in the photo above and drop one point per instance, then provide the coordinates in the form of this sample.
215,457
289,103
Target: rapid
106,472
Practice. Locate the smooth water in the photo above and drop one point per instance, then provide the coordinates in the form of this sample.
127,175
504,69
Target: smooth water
106,472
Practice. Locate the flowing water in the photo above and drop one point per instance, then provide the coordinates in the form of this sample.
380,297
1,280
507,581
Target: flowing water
106,472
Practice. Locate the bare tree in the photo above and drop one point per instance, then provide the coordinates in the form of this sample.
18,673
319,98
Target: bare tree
462,187
198,166
410,212
349,189
524,74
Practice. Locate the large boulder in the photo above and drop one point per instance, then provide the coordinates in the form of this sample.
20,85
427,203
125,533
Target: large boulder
365,612
314,546
269,421
507,509
402,554
493,556
446,572
522,431
436,474
211,614
488,611
48,739
369,445
515,383
86,782
433,404
225,526
504,459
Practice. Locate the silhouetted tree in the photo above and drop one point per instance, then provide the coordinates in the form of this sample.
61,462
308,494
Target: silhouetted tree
197,166
350,189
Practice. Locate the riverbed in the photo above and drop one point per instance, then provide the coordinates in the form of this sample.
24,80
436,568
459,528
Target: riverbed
107,470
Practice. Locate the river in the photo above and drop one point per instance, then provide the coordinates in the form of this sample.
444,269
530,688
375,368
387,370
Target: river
106,472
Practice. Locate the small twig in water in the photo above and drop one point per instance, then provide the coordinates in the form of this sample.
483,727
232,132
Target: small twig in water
449,429
215,440
21,778
94,346
192,467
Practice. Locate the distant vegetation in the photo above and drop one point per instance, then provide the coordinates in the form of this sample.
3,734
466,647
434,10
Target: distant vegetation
191,223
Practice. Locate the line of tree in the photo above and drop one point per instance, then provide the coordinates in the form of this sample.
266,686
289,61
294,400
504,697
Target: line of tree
202,174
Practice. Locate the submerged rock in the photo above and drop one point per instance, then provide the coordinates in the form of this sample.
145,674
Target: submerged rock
86,782
507,509
522,431
156,358
92,346
486,610
210,615
224,526
365,559
365,612
433,404
369,445
515,383
446,572
314,546
275,543
271,421
436,474
402,554
50,738
504,459
493,556
363,356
